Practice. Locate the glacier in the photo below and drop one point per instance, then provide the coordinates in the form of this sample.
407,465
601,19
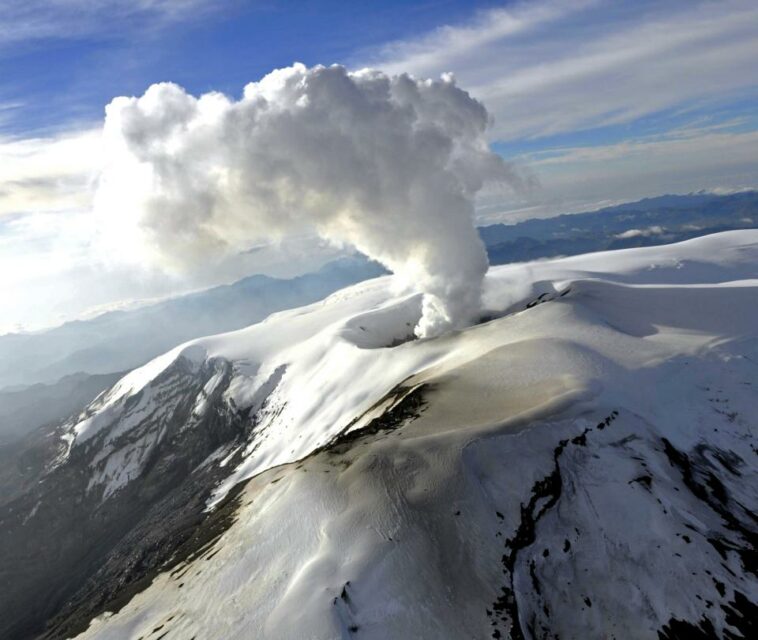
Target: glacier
579,463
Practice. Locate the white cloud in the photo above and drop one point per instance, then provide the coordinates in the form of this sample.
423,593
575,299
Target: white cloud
655,230
53,267
386,164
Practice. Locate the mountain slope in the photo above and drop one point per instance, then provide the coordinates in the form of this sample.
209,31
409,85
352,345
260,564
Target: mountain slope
580,464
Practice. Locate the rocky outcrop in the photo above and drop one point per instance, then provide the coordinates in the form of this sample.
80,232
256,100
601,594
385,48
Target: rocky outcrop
119,507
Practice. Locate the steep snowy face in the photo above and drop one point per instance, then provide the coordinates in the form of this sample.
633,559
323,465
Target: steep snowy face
578,464
133,470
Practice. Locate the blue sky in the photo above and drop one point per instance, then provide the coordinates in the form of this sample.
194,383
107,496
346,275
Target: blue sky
599,100
60,77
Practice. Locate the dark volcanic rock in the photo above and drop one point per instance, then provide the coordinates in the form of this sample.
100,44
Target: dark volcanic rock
70,550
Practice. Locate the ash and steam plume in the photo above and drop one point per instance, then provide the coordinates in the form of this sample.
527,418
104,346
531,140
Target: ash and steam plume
387,164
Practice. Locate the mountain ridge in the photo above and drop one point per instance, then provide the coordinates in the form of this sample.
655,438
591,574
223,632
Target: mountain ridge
93,346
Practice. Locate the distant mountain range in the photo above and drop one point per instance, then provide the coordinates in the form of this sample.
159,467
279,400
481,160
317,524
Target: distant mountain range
652,221
122,340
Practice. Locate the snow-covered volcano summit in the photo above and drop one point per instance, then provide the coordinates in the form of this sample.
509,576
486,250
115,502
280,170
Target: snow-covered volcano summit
580,464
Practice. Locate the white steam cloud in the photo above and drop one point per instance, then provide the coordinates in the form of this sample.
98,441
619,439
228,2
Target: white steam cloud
388,164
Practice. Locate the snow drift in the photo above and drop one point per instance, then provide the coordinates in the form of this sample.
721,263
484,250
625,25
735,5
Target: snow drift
387,164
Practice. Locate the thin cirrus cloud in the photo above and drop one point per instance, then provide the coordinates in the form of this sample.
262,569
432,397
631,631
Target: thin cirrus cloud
65,19
551,67
595,96
49,32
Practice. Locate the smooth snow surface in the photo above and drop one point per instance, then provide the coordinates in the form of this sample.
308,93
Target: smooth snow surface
401,534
